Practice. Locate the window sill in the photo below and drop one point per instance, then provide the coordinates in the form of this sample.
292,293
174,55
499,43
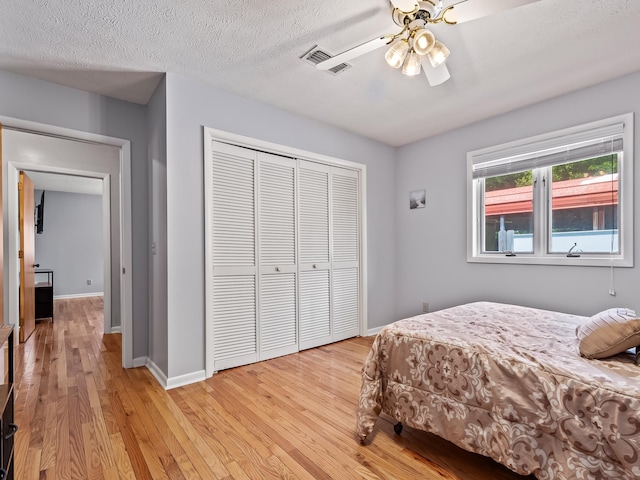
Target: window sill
583,260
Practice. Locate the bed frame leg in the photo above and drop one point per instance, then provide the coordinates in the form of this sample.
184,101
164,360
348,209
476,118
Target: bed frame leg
398,428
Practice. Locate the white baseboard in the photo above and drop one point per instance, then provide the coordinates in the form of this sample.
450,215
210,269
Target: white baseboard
80,295
374,330
186,379
116,329
173,382
157,373
140,362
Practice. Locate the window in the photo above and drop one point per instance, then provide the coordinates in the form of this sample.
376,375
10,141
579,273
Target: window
563,198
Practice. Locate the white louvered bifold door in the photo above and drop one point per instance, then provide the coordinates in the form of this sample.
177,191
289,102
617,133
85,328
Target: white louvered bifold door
231,285
282,255
345,243
314,251
277,312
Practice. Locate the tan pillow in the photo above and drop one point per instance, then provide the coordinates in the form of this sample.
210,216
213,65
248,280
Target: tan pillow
609,332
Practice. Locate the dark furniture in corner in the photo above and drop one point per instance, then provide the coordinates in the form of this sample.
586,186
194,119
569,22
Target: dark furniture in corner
44,295
7,427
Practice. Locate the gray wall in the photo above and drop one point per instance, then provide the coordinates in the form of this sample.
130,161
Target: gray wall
431,242
157,134
38,101
71,242
192,105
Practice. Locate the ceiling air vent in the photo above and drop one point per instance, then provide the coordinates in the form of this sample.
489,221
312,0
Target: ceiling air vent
315,56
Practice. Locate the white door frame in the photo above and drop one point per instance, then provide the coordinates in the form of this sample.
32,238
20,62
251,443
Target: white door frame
124,216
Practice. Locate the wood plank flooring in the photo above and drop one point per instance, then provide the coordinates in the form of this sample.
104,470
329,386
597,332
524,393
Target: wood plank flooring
82,416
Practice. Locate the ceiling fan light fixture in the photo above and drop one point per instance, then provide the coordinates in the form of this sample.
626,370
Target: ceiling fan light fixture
438,54
423,41
411,66
396,55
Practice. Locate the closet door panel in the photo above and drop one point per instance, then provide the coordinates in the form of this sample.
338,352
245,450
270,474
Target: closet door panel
313,211
315,327
344,189
233,206
277,238
234,320
346,306
277,313
345,271
314,250
232,284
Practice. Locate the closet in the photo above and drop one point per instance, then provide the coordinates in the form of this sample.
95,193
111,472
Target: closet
283,254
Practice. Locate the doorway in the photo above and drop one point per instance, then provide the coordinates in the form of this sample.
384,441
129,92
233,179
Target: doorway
45,148
70,240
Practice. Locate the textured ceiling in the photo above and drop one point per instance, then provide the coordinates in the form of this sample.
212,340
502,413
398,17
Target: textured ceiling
508,60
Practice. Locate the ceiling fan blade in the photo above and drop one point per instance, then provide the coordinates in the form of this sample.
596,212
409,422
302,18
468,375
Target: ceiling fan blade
405,5
354,52
435,75
467,10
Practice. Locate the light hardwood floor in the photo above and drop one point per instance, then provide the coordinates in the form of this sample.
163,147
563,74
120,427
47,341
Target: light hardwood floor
81,416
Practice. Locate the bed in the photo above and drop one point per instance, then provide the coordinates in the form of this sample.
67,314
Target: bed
508,382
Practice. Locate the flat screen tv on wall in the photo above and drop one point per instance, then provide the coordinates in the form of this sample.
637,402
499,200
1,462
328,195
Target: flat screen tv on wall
40,215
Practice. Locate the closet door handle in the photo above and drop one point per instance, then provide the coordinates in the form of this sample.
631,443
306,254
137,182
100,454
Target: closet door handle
277,269
315,266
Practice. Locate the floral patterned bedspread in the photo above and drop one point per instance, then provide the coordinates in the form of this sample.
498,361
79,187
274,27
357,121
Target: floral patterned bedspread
508,382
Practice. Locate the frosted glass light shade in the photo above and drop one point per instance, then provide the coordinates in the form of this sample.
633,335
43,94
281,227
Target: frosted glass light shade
423,41
405,5
397,53
438,54
411,65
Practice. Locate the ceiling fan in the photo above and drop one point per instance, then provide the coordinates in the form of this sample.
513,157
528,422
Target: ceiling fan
415,48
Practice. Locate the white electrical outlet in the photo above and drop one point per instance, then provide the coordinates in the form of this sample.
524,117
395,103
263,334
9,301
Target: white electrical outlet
425,307
89,282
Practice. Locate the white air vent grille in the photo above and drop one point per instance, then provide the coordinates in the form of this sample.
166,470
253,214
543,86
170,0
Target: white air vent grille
315,56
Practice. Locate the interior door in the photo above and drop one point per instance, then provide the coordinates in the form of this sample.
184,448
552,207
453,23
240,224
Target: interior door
27,256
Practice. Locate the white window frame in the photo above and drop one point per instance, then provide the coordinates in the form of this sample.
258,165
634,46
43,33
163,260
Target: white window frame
540,256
